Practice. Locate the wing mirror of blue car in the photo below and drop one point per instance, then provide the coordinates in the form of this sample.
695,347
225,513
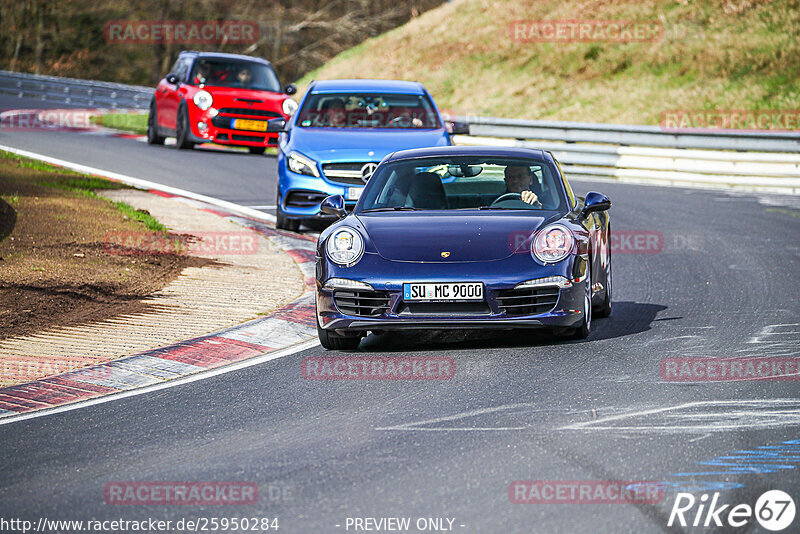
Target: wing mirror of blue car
171,78
290,89
333,205
276,125
595,202
458,128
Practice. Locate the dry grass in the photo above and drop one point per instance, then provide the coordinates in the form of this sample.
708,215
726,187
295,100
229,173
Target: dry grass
715,54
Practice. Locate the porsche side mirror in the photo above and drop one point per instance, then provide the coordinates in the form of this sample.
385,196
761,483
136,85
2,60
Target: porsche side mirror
595,202
276,125
171,78
459,128
333,205
290,89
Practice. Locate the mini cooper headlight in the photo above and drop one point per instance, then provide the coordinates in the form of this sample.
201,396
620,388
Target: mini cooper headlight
302,165
203,100
345,246
289,107
553,243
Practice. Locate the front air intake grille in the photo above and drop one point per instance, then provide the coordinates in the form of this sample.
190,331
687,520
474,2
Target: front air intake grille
251,138
246,112
364,303
529,301
304,199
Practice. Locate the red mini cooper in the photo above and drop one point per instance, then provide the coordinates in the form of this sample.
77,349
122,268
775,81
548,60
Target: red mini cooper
219,98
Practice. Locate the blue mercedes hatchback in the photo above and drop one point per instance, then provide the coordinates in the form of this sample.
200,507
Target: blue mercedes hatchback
342,130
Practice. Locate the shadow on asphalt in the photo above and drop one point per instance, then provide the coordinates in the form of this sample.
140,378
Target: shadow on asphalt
628,318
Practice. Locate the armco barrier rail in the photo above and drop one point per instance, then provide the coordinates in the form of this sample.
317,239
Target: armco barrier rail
767,161
73,92
760,161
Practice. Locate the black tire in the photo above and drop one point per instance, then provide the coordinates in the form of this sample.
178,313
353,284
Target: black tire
257,149
583,331
152,126
282,222
333,341
605,309
182,130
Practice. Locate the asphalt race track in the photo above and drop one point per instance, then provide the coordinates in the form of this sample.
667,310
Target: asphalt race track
723,283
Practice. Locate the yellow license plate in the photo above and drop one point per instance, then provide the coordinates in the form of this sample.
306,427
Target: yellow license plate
245,124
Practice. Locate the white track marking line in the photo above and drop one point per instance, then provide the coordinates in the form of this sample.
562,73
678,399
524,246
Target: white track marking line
202,375
472,413
145,184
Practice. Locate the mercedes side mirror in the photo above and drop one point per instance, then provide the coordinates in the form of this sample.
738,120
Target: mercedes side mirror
276,125
333,205
459,128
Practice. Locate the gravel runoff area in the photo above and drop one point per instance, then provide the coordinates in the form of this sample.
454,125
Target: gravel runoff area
249,277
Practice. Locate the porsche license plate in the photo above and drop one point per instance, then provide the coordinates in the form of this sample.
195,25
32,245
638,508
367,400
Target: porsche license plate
444,292
246,124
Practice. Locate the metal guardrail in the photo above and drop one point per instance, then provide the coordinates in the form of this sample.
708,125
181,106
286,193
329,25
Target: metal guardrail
768,161
739,159
74,92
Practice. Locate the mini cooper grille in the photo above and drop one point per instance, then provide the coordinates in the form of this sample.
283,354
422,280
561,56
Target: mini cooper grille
361,302
251,138
532,301
304,199
249,112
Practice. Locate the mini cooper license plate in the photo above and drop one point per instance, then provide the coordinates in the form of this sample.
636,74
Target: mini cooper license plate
353,193
445,292
246,124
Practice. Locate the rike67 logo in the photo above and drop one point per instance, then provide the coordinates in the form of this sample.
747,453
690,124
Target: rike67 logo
774,511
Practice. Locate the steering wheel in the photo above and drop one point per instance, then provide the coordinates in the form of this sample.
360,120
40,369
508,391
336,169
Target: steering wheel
507,196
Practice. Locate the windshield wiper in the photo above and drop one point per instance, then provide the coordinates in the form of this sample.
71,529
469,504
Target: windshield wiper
395,208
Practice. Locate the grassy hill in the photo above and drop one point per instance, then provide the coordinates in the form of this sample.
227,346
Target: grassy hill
714,54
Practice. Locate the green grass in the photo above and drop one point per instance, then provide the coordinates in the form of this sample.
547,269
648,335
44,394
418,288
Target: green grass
715,54
129,122
84,185
140,215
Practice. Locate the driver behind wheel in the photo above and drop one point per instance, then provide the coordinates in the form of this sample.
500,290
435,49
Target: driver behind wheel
519,179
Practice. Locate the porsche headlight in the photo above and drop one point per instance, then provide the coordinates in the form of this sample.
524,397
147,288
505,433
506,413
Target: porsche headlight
553,243
345,246
203,100
289,107
302,165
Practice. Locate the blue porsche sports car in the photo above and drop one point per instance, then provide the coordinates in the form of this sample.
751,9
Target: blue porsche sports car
343,128
463,237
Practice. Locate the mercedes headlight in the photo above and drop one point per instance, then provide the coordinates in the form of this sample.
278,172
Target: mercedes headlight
553,243
345,246
302,165
289,107
203,100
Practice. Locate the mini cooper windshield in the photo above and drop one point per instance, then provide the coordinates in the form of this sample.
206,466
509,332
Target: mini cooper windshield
348,110
464,183
232,73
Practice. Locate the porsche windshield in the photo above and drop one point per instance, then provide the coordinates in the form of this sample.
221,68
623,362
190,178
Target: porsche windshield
349,110
464,183
233,73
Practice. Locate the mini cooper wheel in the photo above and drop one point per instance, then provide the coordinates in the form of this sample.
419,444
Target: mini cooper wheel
333,341
152,126
182,130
